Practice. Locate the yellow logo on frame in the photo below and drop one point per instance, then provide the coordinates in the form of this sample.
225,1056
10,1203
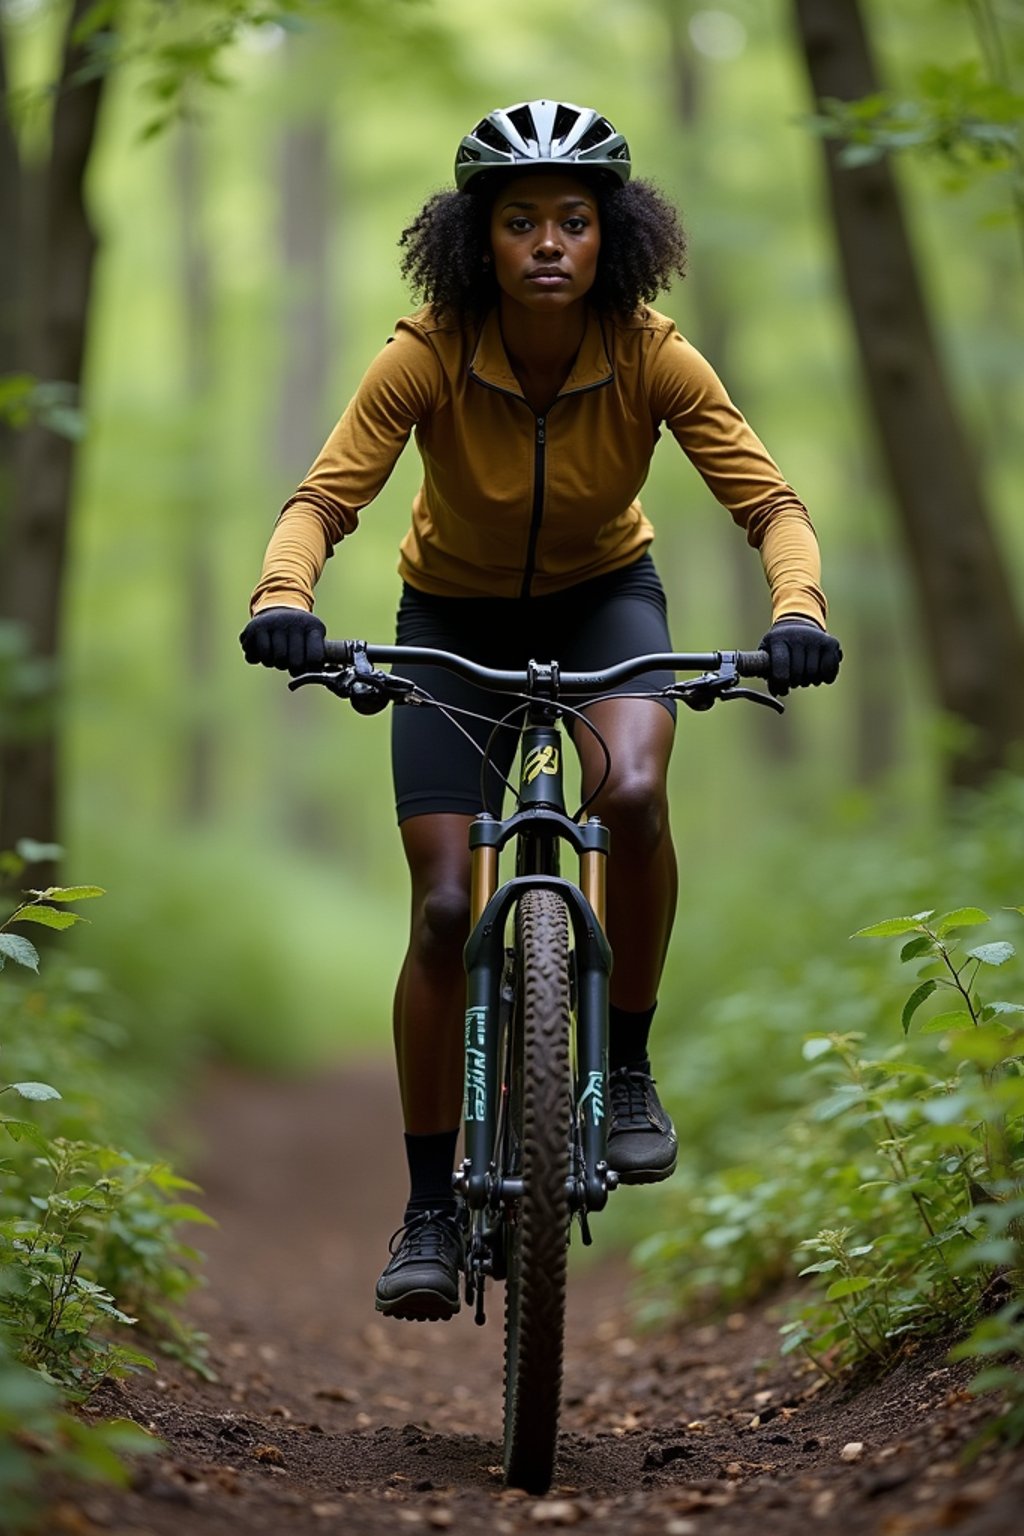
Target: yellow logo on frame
541,760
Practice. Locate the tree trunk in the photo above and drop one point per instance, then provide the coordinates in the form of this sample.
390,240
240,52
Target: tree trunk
31,580
973,636
307,340
775,738
199,614
10,258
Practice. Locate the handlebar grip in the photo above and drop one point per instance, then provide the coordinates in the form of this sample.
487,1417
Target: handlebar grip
338,653
753,663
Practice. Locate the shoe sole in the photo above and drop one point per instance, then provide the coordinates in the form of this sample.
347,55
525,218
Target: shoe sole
419,1307
647,1175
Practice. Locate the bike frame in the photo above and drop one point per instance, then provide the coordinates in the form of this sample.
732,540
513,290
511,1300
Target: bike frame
540,825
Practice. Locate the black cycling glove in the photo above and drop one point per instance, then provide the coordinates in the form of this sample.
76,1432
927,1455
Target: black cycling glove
288,638
802,654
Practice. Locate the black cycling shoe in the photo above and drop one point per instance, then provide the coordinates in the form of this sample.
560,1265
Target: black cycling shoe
642,1146
421,1283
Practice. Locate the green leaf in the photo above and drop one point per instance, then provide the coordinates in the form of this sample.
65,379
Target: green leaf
993,954
948,1109
853,155
37,1091
962,917
24,1130
14,947
892,925
852,1285
46,917
193,1213
991,1009
914,1001
995,1379
38,853
987,1045
958,1018
70,892
815,1046
922,945
820,1268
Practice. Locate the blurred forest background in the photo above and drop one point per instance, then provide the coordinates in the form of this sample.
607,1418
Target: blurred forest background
247,171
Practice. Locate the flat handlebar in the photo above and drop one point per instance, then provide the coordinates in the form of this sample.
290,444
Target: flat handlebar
342,653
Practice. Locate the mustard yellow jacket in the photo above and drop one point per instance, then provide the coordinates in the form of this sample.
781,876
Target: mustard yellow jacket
514,504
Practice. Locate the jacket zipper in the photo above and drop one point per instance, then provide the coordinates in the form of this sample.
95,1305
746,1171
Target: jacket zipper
540,439
539,454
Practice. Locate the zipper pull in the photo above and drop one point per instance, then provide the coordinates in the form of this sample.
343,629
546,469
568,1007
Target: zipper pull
541,423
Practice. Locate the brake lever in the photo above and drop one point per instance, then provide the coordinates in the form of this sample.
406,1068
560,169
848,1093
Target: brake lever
338,683
366,686
701,693
755,696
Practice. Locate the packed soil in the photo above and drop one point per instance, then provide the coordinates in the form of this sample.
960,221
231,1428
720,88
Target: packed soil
325,1418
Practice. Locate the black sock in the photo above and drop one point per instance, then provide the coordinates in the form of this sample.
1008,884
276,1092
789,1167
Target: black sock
627,1038
431,1165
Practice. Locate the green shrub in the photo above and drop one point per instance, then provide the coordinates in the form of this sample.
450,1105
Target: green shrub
902,1181
90,1238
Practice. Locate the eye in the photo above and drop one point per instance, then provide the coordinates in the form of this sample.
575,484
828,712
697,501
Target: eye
577,224
519,224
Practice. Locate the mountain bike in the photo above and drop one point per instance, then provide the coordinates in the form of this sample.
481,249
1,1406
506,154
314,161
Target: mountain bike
536,1030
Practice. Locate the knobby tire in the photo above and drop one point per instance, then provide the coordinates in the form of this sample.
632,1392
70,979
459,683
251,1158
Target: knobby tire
537,1236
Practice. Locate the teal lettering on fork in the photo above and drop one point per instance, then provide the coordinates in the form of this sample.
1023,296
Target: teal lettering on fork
476,1082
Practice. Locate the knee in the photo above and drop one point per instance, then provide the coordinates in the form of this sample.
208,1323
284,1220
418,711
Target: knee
441,924
635,809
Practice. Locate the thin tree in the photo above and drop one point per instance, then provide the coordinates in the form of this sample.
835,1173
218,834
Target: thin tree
974,641
47,278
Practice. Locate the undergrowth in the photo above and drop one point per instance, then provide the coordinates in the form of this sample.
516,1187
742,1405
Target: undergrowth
90,1240
897,1187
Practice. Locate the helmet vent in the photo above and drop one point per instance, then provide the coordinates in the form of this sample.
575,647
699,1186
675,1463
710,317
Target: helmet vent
522,120
595,134
565,121
491,136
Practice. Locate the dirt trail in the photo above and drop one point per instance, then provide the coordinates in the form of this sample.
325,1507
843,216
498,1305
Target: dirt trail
327,1420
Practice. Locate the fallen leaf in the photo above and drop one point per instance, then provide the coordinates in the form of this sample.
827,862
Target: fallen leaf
271,1455
557,1512
337,1394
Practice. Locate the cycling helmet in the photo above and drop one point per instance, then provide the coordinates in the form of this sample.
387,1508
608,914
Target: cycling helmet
536,133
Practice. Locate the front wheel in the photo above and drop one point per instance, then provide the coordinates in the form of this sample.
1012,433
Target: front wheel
538,1151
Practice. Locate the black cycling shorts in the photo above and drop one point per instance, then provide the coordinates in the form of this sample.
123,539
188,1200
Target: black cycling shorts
584,628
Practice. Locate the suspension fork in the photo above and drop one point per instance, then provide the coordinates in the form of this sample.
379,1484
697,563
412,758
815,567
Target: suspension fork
479,1180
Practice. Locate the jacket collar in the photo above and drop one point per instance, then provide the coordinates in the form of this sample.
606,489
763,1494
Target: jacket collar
490,364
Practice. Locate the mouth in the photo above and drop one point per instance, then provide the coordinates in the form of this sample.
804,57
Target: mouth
547,277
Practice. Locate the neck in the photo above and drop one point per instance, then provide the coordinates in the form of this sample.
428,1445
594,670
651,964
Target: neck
540,343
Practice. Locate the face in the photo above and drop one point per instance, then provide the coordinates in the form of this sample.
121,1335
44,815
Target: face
545,237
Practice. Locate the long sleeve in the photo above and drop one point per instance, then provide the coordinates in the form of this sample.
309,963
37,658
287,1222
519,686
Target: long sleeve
687,394
398,391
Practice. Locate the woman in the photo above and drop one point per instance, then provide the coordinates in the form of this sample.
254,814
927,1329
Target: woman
535,380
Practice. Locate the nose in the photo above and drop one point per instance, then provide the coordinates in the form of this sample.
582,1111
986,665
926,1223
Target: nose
549,242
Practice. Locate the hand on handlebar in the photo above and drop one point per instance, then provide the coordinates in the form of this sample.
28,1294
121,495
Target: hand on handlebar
287,638
802,655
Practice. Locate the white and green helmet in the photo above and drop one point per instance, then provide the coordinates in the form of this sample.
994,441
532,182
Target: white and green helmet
541,133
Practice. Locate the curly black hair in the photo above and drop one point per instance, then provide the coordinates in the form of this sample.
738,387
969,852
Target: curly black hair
642,245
